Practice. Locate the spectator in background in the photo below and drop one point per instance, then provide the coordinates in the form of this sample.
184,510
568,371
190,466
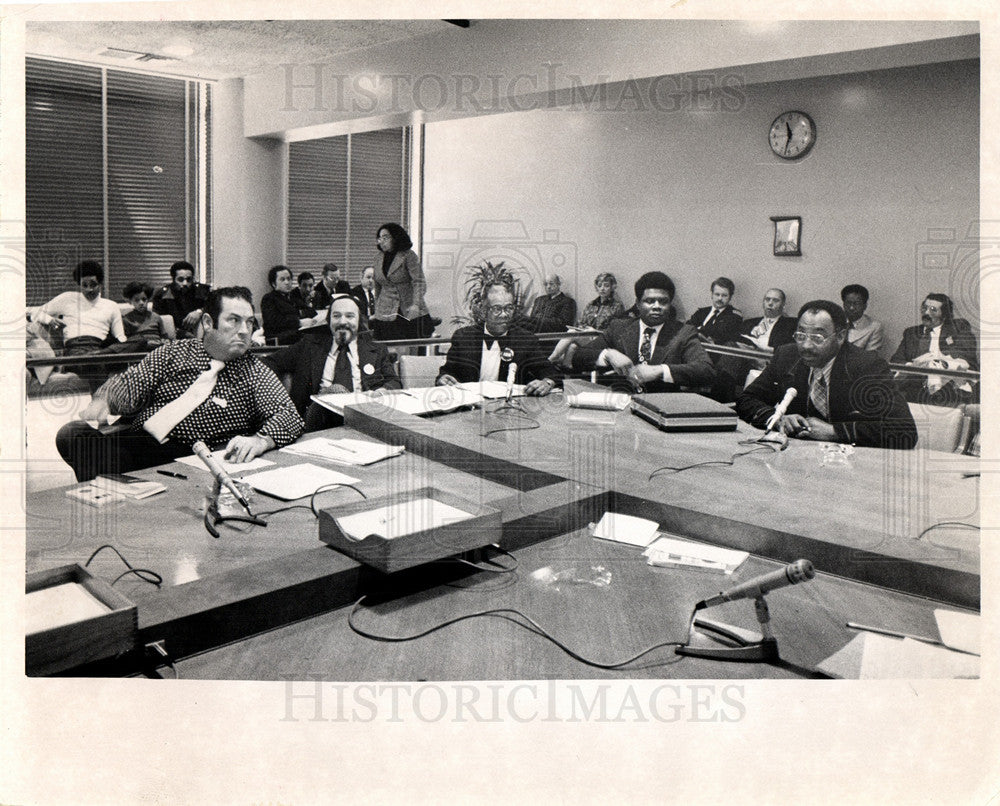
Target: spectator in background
720,322
863,331
330,284
305,292
553,311
597,315
144,329
400,309
283,318
182,299
364,293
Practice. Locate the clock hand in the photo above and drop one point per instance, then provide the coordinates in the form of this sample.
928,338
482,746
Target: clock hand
788,139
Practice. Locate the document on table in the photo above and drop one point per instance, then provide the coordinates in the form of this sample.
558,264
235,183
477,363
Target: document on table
870,656
344,451
296,481
232,468
402,518
626,529
493,390
425,400
959,630
670,551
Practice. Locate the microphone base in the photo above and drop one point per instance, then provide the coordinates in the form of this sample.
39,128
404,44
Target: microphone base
739,649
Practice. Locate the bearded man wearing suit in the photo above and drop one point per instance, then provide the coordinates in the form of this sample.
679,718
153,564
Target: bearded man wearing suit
343,359
654,352
485,352
843,393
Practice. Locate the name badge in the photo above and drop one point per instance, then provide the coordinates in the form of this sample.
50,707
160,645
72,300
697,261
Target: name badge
949,340
368,369
218,401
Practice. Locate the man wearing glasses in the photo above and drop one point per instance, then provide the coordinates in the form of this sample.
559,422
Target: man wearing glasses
843,393
485,352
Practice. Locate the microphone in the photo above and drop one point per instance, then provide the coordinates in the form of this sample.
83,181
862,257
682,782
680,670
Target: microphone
511,374
202,452
798,571
780,409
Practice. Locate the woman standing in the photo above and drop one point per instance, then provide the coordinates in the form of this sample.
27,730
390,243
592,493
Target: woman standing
400,310
282,316
598,313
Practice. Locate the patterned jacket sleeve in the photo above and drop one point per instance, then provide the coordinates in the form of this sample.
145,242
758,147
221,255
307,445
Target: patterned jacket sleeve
274,408
130,391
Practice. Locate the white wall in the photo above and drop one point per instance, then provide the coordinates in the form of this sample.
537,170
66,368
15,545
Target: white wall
247,192
691,193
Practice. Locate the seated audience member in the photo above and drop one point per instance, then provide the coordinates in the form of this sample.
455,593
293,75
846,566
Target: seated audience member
283,318
182,299
766,332
863,332
144,329
86,319
598,313
305,290
942,341
330,284
552,311
844,394
364,293
341,359
655,352
209,389
720,322
483,352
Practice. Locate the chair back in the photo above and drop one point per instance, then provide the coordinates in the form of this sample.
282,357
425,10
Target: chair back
419,370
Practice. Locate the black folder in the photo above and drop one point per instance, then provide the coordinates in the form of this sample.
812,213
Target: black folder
684,411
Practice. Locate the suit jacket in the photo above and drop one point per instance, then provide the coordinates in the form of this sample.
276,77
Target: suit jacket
677,346
466,353
866,333
359,294
780,334
322,297
167,303
305,361
866,407
724,328
551,315
281,317
399,288
956,340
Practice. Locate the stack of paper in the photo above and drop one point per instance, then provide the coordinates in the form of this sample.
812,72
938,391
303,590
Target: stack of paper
626,529
131,486
432,399
671,551
344,451
402,518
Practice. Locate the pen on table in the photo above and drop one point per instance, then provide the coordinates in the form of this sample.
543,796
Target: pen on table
340,447
895,634
172,474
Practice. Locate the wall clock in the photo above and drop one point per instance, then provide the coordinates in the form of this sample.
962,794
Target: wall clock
792,135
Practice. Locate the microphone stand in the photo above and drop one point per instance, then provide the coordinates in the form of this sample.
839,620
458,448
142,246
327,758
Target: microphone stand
213,517
740,648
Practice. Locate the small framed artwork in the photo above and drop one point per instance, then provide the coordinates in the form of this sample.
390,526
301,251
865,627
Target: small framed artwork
787,235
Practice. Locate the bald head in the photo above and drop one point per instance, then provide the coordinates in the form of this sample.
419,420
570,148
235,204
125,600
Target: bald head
552,284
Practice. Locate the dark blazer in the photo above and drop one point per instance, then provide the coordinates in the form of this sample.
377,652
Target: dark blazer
866,408
724,328
305,361
281,317
359,294
677,346
780,334
166,302
551,315
466,353
322,297
957,340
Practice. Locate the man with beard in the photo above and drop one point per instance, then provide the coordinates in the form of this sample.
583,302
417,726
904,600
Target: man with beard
182,299
655,352
341,359
843,393
209,389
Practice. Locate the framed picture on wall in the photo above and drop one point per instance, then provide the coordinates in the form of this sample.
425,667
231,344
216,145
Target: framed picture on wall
787,235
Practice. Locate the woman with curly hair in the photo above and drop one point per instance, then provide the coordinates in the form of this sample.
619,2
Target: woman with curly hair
598,313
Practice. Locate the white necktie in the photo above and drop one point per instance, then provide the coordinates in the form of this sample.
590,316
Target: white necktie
163,422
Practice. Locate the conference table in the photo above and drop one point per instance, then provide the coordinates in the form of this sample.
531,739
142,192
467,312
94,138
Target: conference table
274,603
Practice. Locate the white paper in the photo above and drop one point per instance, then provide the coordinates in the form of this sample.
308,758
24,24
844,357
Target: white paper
417,401
887,658
626,529
344,451
58,605
232,468
682,552
959,630
608,401
296,481
403,518
493,390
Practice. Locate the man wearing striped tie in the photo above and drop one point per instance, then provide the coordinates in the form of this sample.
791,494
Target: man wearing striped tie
209,389
843,393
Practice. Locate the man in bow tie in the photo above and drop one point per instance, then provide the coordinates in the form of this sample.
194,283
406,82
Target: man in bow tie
485,352
342,359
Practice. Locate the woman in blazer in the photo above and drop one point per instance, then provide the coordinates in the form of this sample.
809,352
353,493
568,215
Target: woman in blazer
400,310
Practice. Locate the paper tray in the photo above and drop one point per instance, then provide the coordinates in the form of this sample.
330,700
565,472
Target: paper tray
67,645
388,555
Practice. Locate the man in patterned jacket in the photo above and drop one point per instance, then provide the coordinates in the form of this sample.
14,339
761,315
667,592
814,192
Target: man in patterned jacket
208,389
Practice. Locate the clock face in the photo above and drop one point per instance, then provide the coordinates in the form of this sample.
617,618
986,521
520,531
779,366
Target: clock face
792,135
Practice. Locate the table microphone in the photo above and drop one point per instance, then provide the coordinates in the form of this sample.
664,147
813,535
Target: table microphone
798,571
780,409
202,452
511,374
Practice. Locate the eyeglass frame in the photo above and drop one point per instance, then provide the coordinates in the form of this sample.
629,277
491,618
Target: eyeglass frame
496,310
817,339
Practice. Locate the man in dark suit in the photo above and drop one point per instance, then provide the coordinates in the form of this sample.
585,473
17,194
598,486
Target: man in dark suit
485,352
552,311
364,293
654,352
341,359
182,299
330,285
720,322
843,393
941,341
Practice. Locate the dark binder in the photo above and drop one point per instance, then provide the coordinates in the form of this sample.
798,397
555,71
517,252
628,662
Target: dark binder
684,411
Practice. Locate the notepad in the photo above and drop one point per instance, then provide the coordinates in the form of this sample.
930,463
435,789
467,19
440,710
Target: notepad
296,481
232,468
344,451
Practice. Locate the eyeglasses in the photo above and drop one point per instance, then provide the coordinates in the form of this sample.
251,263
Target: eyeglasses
497,310
813,338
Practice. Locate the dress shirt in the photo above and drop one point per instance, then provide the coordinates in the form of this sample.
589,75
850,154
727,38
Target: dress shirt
247,398
602,359
761,333
489,365
331,361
